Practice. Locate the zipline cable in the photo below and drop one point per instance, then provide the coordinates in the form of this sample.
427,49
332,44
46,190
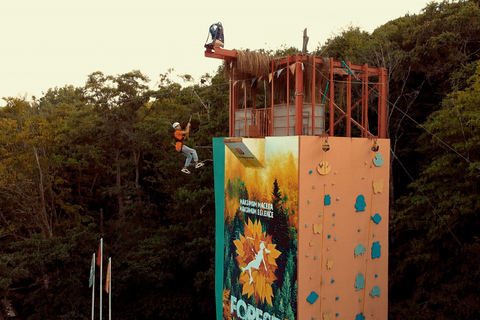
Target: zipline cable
426,198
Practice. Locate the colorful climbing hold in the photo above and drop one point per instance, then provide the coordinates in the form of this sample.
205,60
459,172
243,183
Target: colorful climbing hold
376,253
360,203
359,250
327,200
359,281
376,218
329,264
312,297
360,316
317,228
323,168
378,160
375,292
377,186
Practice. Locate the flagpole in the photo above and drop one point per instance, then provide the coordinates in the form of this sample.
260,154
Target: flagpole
110,289
93,287
101,280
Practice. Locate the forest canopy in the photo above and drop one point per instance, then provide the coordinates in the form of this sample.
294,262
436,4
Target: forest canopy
83,163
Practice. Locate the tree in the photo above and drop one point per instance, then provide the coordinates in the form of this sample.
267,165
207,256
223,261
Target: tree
435,247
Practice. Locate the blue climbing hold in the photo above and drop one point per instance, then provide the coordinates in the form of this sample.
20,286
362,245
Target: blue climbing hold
377,218
359,281
376,253
360,203
328,200
378,160
360,316
375,291
359,250
312,297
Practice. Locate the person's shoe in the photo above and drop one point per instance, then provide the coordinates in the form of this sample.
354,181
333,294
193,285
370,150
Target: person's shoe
199,164
185,170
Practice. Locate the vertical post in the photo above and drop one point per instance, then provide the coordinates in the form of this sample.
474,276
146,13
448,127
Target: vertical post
231,113
101,280
382,104
236,94
93,287
298,96
272,98
332,100
313,95
255,114
245,106
110,289
349,103
288,95
365,97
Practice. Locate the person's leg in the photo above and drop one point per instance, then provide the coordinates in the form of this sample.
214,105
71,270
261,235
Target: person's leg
189,153
194,154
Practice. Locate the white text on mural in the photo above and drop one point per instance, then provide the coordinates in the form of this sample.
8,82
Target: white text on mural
246,311
263,209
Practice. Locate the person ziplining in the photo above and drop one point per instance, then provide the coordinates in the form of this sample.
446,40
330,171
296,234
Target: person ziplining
190,153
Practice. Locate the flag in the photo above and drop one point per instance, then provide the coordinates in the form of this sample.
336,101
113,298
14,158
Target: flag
99,257
92,272
107,283
292,68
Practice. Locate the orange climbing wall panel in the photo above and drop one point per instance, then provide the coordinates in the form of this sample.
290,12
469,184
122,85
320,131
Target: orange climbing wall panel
343,229
302,233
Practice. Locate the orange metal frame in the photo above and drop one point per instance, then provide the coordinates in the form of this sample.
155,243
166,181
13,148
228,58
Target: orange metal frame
373,81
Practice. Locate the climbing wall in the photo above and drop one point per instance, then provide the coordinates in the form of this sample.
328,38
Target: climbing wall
343,229
301,231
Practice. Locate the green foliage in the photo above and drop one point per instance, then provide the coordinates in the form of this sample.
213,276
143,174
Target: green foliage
349,45
99,161
436,244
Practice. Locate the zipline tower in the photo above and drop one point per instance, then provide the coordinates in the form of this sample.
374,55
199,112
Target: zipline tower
301,189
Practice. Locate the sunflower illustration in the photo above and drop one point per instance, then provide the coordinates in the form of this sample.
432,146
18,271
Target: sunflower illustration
256,257
226,305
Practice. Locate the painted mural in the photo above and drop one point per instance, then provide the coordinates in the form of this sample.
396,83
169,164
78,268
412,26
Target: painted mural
260,231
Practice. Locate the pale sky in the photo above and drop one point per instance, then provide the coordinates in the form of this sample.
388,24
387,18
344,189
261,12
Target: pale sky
53,43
